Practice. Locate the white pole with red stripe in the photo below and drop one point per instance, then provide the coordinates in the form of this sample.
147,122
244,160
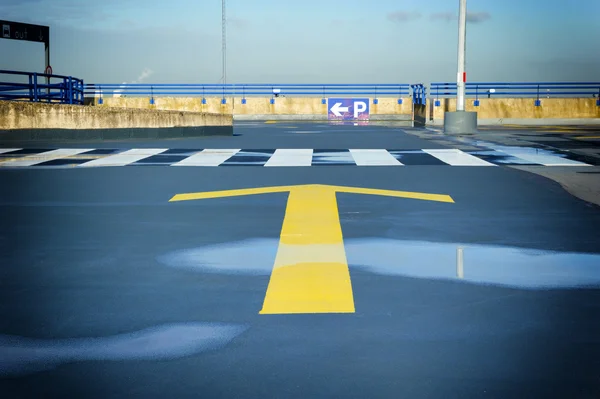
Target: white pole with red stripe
461,78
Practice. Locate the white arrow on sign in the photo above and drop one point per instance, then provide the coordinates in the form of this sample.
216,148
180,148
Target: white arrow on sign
337,109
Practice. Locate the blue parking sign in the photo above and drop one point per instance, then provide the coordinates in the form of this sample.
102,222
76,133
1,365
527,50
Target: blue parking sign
348,108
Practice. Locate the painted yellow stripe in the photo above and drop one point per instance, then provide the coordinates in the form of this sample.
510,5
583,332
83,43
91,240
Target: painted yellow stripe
391,193
339,189
231,193
311,273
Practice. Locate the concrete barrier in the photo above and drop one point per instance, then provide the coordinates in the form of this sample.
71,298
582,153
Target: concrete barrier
260,108
33,121
491,110
498,111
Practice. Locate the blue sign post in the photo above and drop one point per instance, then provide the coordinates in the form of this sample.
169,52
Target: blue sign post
346,109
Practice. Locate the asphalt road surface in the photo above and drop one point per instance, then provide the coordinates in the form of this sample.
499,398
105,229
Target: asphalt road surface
464,281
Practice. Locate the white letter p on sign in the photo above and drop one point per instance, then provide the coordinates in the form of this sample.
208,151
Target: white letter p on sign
359,106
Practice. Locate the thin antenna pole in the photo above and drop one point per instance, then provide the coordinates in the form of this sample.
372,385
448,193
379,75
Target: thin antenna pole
224,39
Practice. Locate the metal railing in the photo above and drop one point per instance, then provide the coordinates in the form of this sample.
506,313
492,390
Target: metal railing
419,94
39,87
537,90
247,90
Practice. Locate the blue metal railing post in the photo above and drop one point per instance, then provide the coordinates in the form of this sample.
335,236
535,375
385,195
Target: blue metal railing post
30,88
35,88
81,88
70,88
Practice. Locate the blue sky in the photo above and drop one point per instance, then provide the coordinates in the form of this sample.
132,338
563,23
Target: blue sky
308,41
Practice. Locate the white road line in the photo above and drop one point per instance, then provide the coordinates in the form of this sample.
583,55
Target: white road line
541,157
46,156
3,150
364,157
124,158
291,157
457,157
208,157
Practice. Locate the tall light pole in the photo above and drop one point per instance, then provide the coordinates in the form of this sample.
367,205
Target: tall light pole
461,121
461,77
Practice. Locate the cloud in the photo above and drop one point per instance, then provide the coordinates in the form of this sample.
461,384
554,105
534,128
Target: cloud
472,17
403,16
146,73
239,23
444,16
477,17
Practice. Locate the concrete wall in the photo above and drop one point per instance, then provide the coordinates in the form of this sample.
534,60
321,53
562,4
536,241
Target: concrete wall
497,110
259,107
21,115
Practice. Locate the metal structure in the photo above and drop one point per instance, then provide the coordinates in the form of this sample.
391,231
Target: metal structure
26,86
537,90
224,41
419,94
246,90
461,78
31,33
28,32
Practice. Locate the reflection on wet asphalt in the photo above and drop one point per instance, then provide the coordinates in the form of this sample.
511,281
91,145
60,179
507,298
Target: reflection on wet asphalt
495,265
26,355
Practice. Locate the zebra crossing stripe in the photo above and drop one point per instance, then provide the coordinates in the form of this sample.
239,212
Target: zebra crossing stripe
374,158
291,157
455,157
540,157
208,157
31,160
4,150
124,158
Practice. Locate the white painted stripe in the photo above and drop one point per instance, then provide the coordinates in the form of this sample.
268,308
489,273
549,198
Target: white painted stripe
291,157
124,158
542,157
456,157
364,157
45,156
208,157
3,150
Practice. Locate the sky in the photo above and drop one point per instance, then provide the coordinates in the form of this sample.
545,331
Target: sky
308,41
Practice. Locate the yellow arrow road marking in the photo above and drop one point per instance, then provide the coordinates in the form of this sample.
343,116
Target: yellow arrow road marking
310,274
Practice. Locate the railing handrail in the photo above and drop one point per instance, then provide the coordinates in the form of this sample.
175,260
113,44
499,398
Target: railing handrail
266,85
43,75
518,83
68,90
